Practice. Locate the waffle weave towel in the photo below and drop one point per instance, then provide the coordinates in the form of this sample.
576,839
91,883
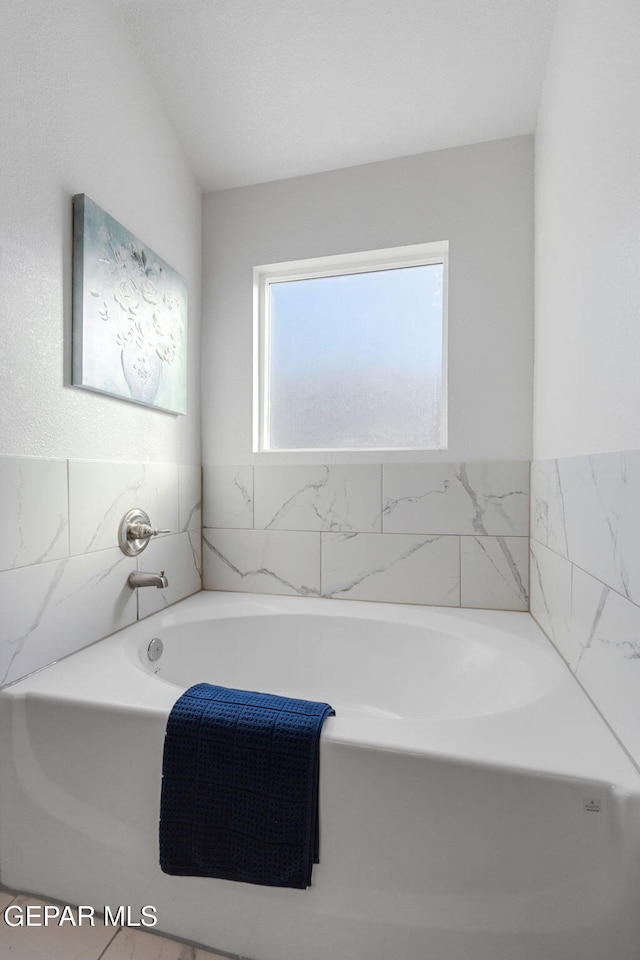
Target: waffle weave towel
240,786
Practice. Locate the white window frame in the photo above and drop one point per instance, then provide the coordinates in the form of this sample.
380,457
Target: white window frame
391,258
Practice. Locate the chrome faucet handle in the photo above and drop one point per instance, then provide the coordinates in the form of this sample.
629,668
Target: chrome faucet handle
135,532
142,531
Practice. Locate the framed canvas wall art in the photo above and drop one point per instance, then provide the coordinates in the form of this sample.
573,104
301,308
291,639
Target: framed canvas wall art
129,314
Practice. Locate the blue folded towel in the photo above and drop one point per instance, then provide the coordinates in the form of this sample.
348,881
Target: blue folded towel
240,786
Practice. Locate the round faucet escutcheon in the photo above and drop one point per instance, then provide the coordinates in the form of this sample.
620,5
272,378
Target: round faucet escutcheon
135,532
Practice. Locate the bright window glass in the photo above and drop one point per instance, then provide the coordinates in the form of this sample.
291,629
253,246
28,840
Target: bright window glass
353,360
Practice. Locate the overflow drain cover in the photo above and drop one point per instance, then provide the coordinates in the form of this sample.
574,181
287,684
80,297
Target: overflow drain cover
154,650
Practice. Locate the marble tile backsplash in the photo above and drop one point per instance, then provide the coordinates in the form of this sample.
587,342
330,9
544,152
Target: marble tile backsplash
585,576
63,579
446,534
484,499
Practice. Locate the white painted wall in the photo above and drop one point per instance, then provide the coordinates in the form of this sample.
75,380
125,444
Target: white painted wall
587,325
78,115
480,198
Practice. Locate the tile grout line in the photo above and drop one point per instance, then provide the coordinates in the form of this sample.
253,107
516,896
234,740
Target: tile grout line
588,573
108,945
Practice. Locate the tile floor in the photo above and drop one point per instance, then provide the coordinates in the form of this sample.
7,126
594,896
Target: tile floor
85,942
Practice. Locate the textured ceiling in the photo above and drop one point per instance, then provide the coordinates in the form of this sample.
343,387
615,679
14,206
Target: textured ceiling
265,89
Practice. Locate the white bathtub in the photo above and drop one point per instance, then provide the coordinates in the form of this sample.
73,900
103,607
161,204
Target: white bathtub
473,804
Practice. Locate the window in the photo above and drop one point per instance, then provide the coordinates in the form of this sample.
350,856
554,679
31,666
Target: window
350,351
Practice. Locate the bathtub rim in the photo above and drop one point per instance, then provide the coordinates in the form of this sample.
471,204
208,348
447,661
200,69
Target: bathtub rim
561,734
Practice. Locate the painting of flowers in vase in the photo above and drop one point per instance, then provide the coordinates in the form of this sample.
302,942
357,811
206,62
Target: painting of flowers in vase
129,314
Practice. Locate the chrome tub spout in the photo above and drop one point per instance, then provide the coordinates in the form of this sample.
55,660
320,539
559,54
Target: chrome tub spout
138,579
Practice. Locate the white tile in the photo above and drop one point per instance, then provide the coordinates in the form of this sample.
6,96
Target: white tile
400,568
190,497
132,944
262,561
596,517
550,597
100,493
555,514
539,495
494,572
487,499
629,527
607,631
52,609
53,941
331,498
34,516
591,495
228,497
180,557
588,600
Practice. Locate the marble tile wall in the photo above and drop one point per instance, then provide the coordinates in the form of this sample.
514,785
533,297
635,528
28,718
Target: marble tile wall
63,578
585,577
447,534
